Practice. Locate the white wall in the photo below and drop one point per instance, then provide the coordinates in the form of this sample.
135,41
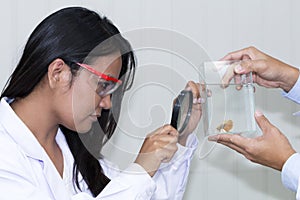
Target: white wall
219,27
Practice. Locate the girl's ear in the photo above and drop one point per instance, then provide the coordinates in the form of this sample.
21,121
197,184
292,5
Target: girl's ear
58,73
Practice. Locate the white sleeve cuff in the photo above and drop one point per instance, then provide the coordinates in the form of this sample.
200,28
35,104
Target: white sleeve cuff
134,181
294,93
291,172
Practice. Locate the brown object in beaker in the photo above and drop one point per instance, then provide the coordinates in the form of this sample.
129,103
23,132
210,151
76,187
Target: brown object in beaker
226,126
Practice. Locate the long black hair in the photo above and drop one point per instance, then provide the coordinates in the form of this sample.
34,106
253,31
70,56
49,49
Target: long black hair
71,34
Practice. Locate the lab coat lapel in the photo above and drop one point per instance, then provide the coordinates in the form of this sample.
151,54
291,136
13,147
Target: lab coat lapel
55,182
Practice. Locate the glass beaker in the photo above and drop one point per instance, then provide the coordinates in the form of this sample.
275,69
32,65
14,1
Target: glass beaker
228,103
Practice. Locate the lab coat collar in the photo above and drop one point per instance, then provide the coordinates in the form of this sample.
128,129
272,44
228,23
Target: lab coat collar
21,134
18,131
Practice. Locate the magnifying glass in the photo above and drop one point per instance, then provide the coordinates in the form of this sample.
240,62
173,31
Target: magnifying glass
182,110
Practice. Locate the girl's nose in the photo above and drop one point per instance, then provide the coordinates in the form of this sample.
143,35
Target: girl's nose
105,102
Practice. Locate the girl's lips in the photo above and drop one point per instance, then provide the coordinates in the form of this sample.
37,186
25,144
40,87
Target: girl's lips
94,117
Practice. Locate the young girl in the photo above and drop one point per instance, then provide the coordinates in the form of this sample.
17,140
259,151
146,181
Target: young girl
66,92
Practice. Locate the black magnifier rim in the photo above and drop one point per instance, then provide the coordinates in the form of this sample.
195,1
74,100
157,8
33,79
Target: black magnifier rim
176,109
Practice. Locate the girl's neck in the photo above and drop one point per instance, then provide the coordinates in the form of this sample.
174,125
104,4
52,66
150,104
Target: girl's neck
36,114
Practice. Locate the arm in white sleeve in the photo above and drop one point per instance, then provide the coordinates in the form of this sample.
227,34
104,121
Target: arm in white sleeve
135,183
291,172
171,178
294,93
132,183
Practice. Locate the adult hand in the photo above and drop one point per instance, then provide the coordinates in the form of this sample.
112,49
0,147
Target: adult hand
159,146
272,149
267,71
196,111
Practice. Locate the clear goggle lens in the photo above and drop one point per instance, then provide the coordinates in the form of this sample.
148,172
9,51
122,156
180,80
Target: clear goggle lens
105,87
105,84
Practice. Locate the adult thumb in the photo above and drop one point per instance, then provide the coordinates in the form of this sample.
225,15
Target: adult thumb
262,121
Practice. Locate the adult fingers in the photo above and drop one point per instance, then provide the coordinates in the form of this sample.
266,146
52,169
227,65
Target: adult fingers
235,140
263,122
234,147
249,52
228,76
246,66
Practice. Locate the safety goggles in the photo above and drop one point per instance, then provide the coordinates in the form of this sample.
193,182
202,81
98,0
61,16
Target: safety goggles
105,84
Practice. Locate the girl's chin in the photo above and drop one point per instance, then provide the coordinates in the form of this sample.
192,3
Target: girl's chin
83,127
83,130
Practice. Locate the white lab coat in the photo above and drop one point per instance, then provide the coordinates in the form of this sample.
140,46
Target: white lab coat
26,171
